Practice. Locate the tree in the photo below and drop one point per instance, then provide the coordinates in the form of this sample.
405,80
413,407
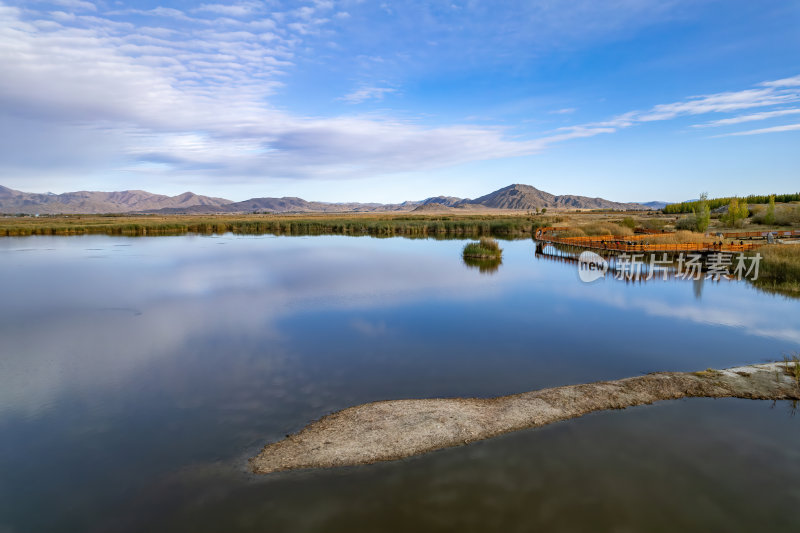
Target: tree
744,212
769,217
702,213
544,210
737,212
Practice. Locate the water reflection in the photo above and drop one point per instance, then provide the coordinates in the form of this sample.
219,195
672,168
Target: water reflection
133,388
484,266
697,287
632,270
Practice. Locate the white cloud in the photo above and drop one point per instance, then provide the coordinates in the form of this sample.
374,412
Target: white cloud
195,103
774,129
193,99
722,102
774,93
748,118
794,81
367,93
75,4
239,9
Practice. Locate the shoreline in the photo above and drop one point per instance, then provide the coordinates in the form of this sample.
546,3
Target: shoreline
503,225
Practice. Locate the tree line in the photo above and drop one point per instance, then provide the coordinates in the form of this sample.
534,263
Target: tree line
714,203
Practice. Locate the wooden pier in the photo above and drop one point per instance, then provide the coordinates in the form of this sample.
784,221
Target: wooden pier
639,243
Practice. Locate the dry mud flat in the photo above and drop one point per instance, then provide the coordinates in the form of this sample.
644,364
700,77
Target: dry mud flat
389,430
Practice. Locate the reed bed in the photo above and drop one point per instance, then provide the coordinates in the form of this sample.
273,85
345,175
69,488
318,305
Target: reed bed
486,248
377,225
779,269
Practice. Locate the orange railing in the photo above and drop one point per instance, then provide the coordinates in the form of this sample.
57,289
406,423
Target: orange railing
649,231
751,234
629,244
548,229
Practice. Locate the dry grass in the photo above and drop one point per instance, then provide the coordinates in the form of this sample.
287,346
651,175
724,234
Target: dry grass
785,214
489,244
680,237
780,268
605,228
791,366
655,223
572,232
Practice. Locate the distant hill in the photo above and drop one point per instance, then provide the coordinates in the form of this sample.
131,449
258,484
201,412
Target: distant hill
289,204
655,205
93,202
448,201
518,197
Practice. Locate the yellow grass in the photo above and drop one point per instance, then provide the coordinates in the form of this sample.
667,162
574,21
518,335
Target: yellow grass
679,237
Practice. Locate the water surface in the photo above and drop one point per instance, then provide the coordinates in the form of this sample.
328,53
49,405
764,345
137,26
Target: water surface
137,375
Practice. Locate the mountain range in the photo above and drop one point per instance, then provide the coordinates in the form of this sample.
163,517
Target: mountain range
94,202
513,197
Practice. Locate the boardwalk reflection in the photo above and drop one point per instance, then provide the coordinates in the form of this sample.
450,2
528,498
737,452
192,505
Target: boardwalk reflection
619,267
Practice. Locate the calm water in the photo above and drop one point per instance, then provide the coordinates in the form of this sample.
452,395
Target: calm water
138,375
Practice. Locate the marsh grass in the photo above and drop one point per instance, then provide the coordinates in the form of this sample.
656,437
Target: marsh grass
486,248
779,269
403,225
678,237
606,228
572,232
596,229
791,366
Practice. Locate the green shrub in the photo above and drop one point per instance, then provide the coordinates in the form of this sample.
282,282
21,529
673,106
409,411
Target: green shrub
485,248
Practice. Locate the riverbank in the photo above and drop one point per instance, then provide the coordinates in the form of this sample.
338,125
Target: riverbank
386,225
391,430
780,269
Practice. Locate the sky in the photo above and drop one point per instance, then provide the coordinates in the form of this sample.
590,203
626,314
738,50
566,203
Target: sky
359,100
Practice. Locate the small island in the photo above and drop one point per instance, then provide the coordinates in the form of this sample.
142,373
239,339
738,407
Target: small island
486,248
485,255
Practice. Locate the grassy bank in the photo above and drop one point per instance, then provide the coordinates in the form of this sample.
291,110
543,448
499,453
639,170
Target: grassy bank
389,225
779,270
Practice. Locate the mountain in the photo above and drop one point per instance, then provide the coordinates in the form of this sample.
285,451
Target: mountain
525,197
447,201
655,205
93,202
287,204
518,196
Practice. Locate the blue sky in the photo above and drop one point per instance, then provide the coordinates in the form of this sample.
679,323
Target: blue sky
631,100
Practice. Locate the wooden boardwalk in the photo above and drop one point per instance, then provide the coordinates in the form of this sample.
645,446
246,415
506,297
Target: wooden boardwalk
637,243
761,234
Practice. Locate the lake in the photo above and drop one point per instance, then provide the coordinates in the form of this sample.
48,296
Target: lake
138,375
